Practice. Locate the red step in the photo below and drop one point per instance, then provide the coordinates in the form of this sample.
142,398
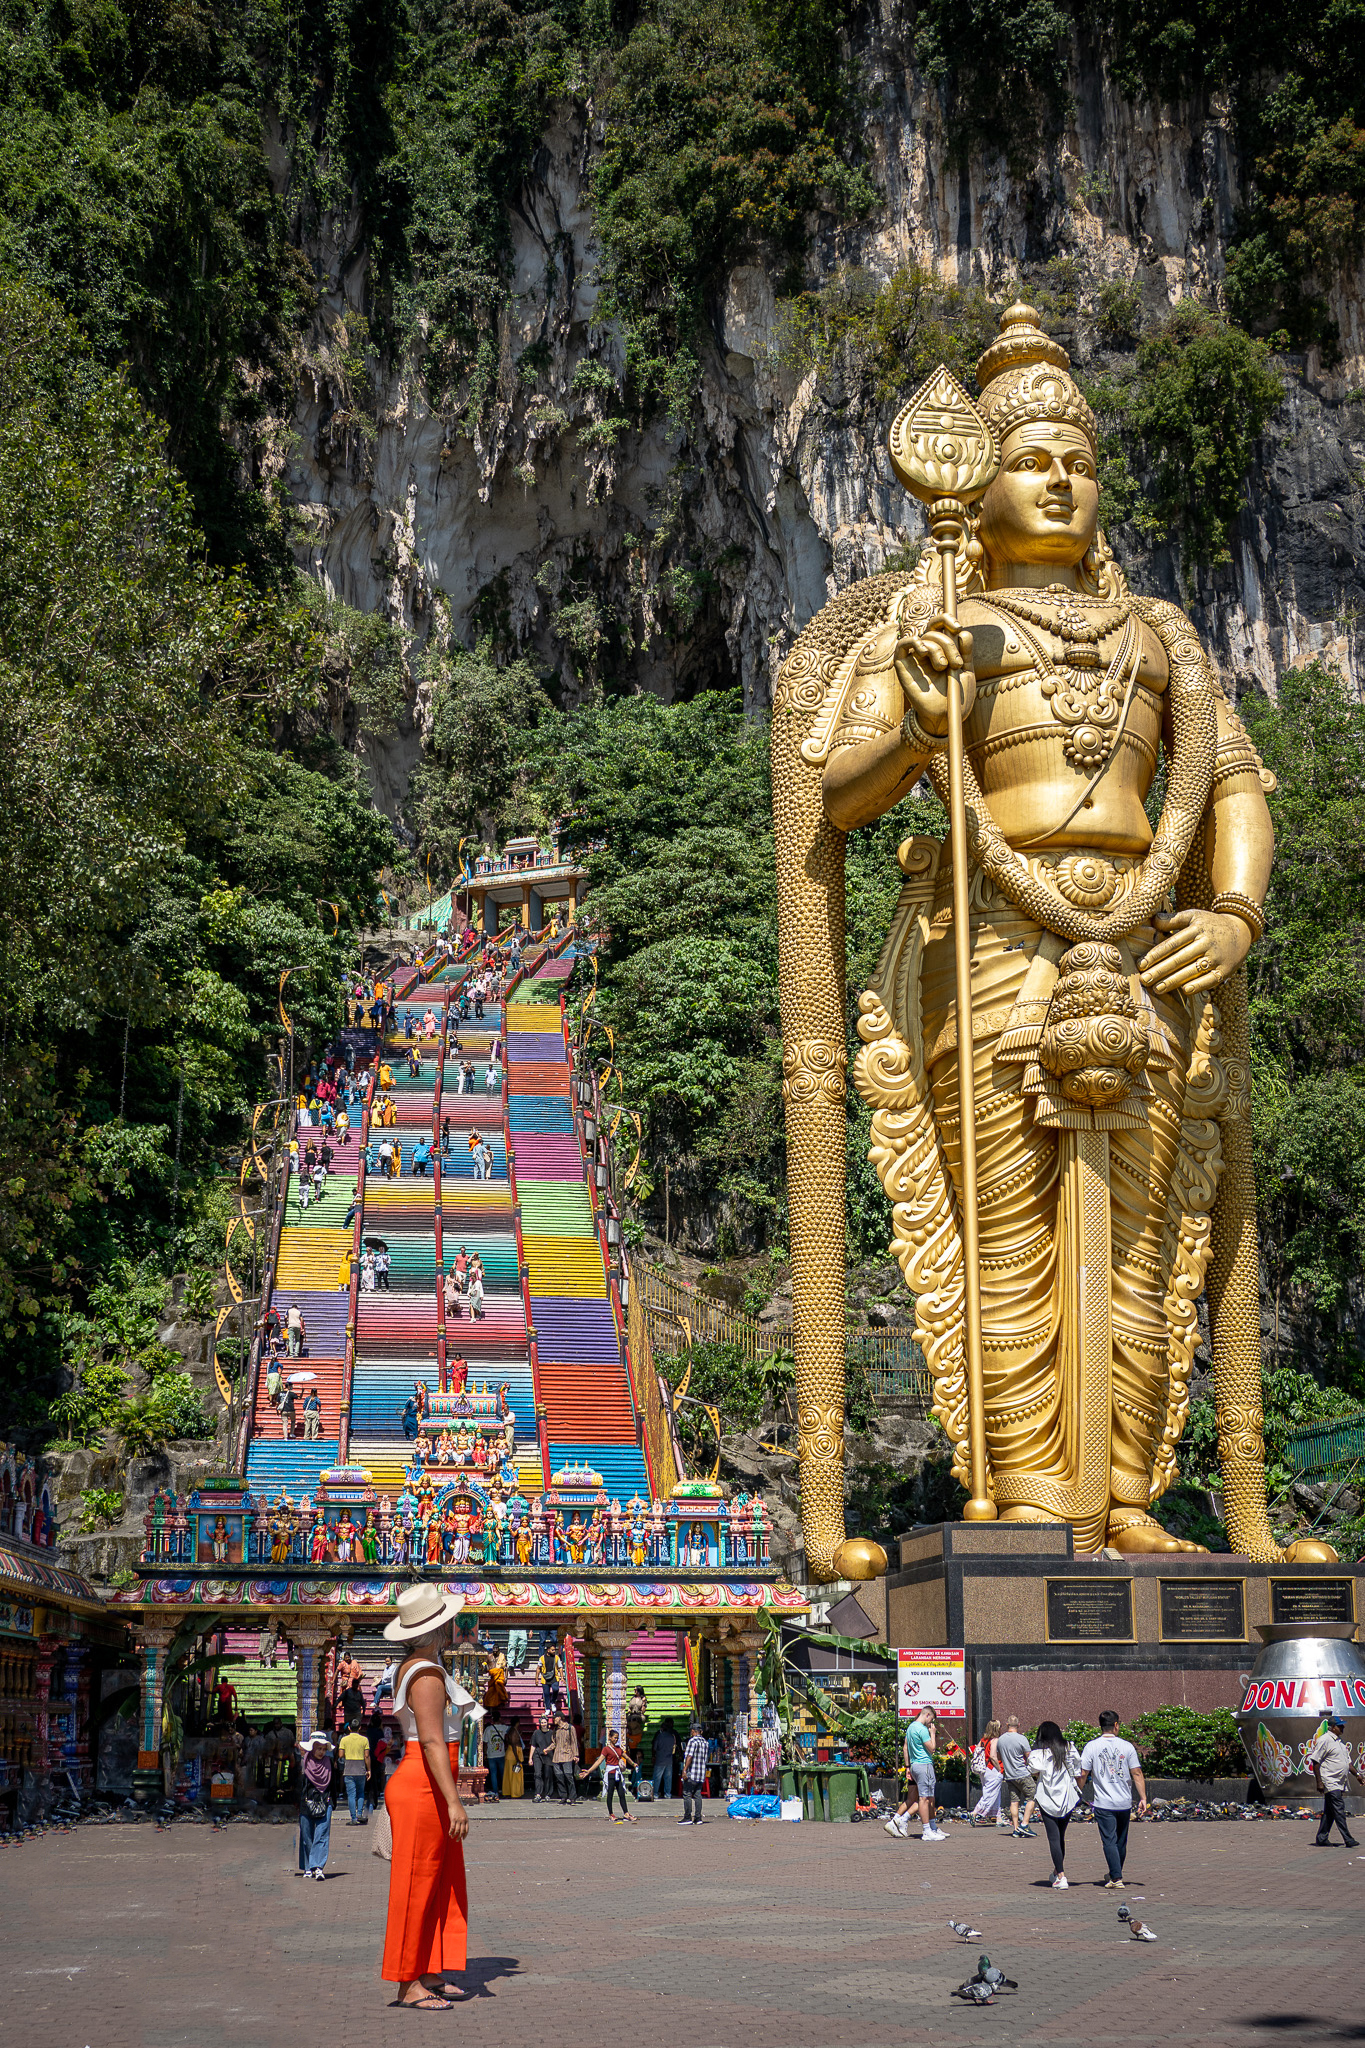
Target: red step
585,1403
266,1421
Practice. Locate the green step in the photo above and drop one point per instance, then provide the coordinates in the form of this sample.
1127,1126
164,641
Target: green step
264,1692
555,1209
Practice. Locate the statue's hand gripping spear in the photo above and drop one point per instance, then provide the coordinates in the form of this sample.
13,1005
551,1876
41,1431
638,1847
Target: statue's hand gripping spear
944,452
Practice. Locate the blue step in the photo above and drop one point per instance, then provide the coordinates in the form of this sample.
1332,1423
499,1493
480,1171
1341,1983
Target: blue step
622,1466
380,1388
295,1465
460,1163
546,1113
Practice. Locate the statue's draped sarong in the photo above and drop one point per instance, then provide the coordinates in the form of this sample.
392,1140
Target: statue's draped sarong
1076,1372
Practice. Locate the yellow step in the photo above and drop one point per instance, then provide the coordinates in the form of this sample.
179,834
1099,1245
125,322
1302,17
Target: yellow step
560,1265
533,1017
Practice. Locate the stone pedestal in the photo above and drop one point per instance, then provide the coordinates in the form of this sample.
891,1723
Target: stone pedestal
1049,1635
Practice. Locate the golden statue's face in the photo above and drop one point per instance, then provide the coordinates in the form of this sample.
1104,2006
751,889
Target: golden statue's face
1043,505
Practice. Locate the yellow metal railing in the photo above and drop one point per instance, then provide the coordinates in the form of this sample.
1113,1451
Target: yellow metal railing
676,1316
658,1435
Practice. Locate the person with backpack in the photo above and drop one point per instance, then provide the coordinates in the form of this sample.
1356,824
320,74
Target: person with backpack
1055,1765
1115,1769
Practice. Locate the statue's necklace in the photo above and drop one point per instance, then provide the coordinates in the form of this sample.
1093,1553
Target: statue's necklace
1085,701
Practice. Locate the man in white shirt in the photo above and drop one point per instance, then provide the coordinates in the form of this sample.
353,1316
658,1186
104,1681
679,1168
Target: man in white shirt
1116,1769
1331,1761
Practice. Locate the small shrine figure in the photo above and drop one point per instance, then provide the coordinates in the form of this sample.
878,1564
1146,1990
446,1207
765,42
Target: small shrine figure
759,1512
433,1552
594,1544
459,1518
317,1548
524,1542
346,1533
639,1535
479,1455
695,1546
280,1533
445,1448
220,1539
573,1540
497,1507
385,1520
422,1396
369,1541
509,1436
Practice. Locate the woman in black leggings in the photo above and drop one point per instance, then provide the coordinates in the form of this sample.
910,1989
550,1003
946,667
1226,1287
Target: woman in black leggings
1056,1764
612,1760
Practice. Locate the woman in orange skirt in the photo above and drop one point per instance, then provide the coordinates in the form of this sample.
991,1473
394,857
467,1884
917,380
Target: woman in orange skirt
427,1932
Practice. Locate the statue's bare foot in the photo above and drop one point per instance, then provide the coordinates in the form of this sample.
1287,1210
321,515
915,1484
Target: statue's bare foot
1309,1550
1135,1534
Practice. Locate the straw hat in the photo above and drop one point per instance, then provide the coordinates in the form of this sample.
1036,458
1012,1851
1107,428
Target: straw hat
420,1610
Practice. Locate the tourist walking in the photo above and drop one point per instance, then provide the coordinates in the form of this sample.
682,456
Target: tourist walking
612,1760
565,1755
1018,1787
693,1776
1055,1765
315,1806
921,1740
1116,1770
987,1760
427,1931
1330,1757
542,1758
355,1771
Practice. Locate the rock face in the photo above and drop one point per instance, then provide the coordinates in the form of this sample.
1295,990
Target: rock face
692,558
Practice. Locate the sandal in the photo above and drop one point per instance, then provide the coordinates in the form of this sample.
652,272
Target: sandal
428,2002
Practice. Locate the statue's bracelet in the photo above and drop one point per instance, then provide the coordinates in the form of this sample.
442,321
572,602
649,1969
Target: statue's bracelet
917,739
1232,903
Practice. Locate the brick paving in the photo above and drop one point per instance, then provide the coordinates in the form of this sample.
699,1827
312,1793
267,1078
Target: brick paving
735,1935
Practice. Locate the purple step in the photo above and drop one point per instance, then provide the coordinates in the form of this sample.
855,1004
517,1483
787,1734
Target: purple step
534,1045
575,1332
544,1157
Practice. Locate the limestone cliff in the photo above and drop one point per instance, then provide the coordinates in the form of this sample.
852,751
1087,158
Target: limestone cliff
685,558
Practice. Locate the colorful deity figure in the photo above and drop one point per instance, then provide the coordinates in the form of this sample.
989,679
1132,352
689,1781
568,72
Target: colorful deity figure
369,1541
220,1540
459,1375
594,1540
573,1539
537,1527
504,1406
433,1540
445,1448
346,1533
459,1519
639,1537
524,1542
317,1547
422,1395
479,1455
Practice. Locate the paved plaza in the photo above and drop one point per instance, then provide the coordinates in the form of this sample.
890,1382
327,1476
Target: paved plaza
734,1935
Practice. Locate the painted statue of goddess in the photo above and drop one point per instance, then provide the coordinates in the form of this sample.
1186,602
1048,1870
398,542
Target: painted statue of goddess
1108,998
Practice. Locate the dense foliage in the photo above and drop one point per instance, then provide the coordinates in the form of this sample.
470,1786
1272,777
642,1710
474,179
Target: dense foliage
163,863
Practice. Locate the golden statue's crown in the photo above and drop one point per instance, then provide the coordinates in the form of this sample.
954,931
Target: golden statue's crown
1025,375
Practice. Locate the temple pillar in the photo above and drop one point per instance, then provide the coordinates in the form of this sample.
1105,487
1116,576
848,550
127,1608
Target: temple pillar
526,906
152,1643
615,1643
311,1641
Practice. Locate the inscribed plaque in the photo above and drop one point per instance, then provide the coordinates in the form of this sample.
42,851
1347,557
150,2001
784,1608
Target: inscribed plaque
1202,1611
1089,1610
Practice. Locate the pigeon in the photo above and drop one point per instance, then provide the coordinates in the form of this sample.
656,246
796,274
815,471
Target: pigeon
987,1973
1139,1929
964,1932
975,1992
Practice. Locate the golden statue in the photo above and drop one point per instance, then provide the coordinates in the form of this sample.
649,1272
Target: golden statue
1057,1257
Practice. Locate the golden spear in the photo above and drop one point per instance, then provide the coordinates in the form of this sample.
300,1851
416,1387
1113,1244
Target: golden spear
943,451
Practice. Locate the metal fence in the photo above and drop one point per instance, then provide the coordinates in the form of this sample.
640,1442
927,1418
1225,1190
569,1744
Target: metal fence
1328,1446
